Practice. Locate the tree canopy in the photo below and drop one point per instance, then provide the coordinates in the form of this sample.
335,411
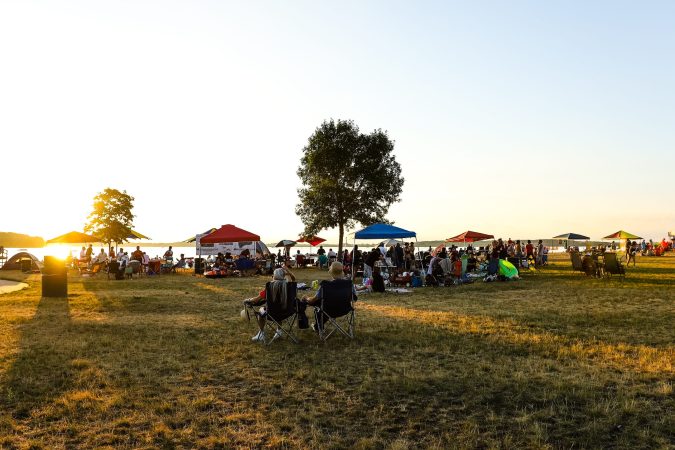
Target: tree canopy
111,218
346,177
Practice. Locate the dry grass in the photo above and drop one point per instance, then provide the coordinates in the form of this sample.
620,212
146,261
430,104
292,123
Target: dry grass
555,360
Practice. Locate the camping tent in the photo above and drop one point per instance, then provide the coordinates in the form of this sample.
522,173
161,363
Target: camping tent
16,262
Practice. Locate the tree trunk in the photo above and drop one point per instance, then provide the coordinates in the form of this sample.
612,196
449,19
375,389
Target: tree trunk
342,233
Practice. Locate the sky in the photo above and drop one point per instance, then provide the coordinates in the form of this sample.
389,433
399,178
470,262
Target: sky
522,119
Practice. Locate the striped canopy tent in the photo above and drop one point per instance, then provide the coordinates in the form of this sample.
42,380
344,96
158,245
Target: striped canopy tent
622,235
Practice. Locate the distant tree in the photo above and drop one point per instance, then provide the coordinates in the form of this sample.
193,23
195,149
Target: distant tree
346,177
111,218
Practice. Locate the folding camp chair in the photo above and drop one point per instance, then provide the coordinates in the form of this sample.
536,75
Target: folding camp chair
337,302
577,264
279,320
612,266
245,266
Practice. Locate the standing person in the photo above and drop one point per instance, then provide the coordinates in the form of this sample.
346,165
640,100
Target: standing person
398,251
120,253
413,264
111,253
356,259
137,254
169,253
632,252
89,253
540,253
529,250
321,251
370,261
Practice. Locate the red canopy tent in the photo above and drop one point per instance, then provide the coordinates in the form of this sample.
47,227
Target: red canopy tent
311,240
470,236
229,233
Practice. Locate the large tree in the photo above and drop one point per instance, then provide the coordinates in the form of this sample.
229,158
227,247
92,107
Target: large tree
346,177
111,218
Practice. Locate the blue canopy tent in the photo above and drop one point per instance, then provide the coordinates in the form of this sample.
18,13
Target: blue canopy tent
386,231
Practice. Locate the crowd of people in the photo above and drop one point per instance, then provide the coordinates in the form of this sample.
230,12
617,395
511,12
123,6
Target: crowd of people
91,263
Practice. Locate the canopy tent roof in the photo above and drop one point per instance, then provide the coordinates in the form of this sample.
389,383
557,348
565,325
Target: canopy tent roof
133,234
383,231
622,235
470,236
194,238
229,233
74,237
311,240
572,236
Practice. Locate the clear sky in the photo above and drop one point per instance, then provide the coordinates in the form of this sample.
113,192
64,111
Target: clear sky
521,119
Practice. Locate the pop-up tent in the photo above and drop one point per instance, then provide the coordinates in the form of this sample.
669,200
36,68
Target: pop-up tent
470,236
231,234
571,237
386,231
622,235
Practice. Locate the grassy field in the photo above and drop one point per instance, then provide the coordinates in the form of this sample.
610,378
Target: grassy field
555,360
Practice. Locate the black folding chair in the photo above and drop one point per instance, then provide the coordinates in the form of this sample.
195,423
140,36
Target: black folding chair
337,302
279,319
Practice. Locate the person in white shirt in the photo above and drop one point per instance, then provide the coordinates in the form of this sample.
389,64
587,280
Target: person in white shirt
120,253
331,254
83,255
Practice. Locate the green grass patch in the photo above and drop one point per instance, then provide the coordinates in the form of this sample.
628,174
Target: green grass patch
554,360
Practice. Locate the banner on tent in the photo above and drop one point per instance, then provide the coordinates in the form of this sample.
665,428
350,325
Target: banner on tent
234,248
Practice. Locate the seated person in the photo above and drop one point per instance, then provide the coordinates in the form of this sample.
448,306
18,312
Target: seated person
169,253
279,276
181,264
322,261
100,260
83,255
336,272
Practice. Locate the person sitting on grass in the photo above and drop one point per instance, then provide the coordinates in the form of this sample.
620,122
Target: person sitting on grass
278,282
336,271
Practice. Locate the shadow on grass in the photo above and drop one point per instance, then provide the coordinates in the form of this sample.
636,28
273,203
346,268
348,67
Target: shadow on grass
42,369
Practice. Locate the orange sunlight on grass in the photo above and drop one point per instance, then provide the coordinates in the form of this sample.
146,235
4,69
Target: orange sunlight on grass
639,358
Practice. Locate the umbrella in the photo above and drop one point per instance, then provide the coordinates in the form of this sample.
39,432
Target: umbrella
285,243
74,237
622,235
572,236
311,240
